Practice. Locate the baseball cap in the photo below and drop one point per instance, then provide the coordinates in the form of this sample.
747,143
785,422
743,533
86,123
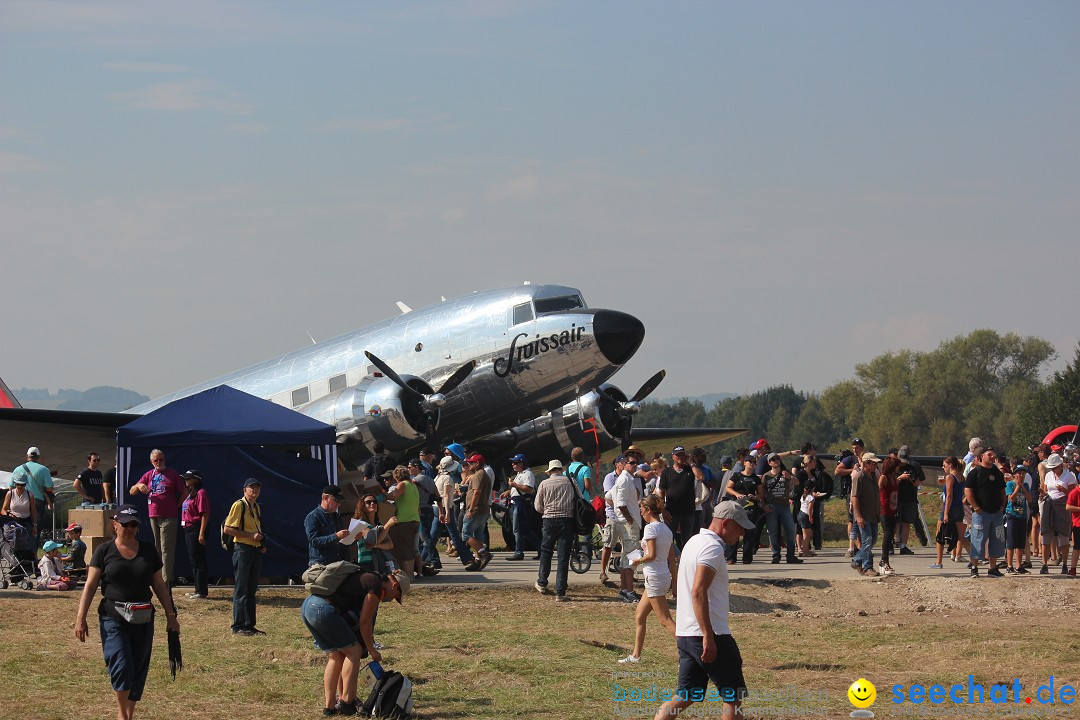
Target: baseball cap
678,449
519,458
405,582
192,474
21,480
51,545
807,458
758,444
334,491
1053,461
125,514
727,461
620,458
644,466
252,481
475,458
72,527
415,462
869,457
733,511
772,456
33,452
857,441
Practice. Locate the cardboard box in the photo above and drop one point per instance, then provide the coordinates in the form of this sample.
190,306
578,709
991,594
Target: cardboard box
93,543
96,522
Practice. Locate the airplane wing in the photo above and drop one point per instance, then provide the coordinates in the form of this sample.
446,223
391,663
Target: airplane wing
662,440
65,437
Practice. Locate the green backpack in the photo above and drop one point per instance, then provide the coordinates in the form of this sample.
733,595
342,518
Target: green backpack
325,580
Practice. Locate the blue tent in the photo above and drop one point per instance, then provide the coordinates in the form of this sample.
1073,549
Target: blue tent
229,436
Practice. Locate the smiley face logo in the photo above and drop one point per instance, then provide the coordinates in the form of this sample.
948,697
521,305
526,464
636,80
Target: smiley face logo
862,693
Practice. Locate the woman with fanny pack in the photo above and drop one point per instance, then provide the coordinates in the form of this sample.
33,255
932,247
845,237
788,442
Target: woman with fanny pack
127,571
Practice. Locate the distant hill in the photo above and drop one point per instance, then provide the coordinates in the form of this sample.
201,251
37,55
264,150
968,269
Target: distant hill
709,401
100,399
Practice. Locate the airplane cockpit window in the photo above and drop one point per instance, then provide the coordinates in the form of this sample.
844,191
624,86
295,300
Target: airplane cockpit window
558,304
522,313
337,383
300,397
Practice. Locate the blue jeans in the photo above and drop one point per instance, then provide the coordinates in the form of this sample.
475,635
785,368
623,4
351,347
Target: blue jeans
867,538
987,529
524,532
780,517
428,552
247,562
450,528
126,648
558,533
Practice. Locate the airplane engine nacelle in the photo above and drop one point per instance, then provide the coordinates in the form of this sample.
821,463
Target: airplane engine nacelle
373,410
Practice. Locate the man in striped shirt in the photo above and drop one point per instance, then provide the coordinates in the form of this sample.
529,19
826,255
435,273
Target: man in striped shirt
555,500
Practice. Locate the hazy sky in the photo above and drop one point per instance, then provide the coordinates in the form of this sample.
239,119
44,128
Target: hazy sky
779,190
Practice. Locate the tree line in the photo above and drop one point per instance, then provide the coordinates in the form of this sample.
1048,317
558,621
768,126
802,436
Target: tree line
982,384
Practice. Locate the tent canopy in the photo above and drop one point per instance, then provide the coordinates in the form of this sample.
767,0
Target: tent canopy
229,436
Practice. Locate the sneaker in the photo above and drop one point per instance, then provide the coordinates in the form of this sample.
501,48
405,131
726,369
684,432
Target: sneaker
1064,570
1021,570
855,565
330,711
542,589
629,659
484,557
885,570
905,550
1010,570
776,560
849,554
869,572
994,572
1072,572
935,566
474,566
244,632
1044,570
378,645
345,708
974,570
794,560
516,557
257,631
628,596
561,598
1026,564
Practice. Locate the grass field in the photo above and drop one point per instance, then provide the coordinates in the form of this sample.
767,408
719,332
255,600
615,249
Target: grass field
511,653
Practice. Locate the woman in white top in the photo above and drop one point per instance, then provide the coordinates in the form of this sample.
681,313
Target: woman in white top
19,505
658,562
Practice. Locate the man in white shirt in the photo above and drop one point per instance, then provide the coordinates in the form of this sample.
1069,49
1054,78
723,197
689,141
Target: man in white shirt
608,530
522,488
626,495
706,649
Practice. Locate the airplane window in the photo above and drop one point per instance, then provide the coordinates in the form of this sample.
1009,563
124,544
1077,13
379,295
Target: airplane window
337,383
558,304
522,313
300,397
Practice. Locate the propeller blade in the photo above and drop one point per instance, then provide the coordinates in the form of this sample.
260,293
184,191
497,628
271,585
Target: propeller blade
580,412
457,378
604,393
646,390
627,435
389,372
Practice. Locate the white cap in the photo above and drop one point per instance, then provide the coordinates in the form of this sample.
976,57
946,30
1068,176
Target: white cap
33,452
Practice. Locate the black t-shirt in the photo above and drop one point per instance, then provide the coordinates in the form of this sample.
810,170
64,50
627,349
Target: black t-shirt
679,486
746,484
126,580
988,486
908,492
110,480
776,487
91,484
353,589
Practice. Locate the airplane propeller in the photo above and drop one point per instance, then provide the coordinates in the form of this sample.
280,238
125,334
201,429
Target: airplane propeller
429,404
629,408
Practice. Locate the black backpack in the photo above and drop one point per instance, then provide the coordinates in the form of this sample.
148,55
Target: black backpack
390,698
584,512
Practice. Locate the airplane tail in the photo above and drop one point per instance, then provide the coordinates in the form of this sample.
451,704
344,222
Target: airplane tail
7,400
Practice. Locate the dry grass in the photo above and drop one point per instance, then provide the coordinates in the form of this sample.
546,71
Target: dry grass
498,653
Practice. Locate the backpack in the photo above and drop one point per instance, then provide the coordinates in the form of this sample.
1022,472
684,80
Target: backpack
325,580
390,698
228,542
584,512
598,505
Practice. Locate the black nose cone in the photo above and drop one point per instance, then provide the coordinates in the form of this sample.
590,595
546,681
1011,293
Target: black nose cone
618,335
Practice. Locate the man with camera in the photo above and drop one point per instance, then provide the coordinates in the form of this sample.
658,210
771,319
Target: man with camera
244,524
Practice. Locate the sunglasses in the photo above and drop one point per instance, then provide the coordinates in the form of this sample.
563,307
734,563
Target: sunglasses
371,502
133,523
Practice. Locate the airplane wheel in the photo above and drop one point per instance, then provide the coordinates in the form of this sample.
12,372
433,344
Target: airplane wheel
580,561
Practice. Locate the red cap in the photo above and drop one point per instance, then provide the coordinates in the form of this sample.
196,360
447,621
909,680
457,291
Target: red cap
475,458
1055,448
73,526
759,444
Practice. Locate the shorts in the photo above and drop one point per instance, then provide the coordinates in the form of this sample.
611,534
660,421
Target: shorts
988,529
725,670
606,532
956,515
126,648
1076,538
627,537
473,527
907,513
804,521
657,584
1015,533
327,625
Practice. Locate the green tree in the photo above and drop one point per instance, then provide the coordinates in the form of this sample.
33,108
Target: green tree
1055,403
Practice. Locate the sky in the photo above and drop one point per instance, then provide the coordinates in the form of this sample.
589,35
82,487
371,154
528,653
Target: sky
779,190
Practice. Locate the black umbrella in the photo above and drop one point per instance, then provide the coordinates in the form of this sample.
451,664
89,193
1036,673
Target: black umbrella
176,661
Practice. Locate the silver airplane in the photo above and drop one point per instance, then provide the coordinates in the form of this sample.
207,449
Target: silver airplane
521,369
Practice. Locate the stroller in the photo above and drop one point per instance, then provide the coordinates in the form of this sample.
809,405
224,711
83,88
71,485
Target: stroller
17,555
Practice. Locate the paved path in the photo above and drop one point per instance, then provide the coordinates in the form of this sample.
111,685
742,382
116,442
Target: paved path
830,564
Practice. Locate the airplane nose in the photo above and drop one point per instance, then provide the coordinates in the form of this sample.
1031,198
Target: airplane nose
618,335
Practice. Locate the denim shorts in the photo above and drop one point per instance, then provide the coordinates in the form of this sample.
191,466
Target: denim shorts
474,527
988,528
327,625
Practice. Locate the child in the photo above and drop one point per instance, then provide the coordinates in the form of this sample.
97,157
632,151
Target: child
806,512
1016,517
1072,504
51,571
76,559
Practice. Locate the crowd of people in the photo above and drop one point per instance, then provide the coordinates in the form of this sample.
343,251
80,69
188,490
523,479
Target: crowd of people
674,518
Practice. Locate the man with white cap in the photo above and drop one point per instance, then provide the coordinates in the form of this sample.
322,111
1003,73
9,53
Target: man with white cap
1056,520
555,498
38,482
707,651
866,512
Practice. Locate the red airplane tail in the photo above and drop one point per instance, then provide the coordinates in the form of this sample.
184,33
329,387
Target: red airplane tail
7,400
